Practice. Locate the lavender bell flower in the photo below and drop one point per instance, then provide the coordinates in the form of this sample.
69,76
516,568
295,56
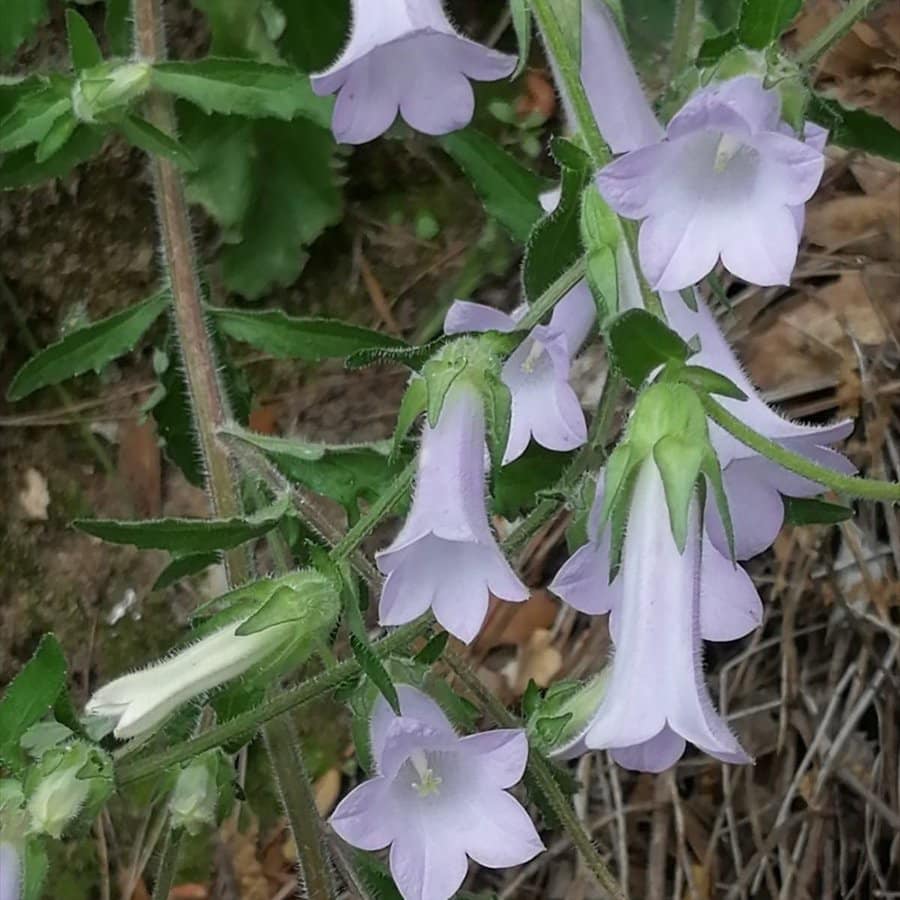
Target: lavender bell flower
445,556
753,483
10,872
726,182
438,798
544,405
662,604
404,55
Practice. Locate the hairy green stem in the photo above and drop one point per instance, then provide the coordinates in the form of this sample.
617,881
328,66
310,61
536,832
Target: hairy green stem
168,865
248,723
834,31
208,399
316,876
849,485
541,774
685,20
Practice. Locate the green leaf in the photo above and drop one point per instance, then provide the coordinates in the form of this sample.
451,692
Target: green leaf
711,382
679,461
240,28
187,536
272,187
855,129
413,358
763,21
83,46
20,19
345,473
30,697
433,650
555,242
243,87
118,26
140,133
521,19
376,672
517,485
34,115
510,192
20,168
55,139
714,48
639,342
289,337
812,511
182,566
90,347
314,32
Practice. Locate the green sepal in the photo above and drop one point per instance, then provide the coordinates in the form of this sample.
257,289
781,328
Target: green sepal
413,404
433,650
374,669
679,461
713,472
440,374
308,600
520,12
566,711
710,382
814,511
602,275
498,417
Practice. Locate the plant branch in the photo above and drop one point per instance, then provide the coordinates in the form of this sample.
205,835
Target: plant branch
297,798
208,399
540,771
683,32
168,865
850,485
834,31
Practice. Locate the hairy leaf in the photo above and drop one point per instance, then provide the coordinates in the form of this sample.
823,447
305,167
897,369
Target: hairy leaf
640,342
20,18
763,21
90,347
855,129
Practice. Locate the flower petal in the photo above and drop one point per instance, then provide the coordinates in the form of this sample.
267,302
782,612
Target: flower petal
499,757
655,755
679,247
464,316
583,581
792,169
406,736
436,98
365,818
630,184
367,104
499,833
729,602
428,864
415,705
760,246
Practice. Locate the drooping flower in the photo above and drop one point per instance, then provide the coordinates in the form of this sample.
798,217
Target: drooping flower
726,182
662,604
10,872
404,56
438,799
141,701
445,556
753,483
544,405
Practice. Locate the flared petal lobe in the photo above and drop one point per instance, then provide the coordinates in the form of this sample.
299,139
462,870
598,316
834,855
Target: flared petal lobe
405,57
438,799
445,556
727,182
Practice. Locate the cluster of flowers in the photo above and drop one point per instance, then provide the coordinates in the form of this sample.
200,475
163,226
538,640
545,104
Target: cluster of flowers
726,180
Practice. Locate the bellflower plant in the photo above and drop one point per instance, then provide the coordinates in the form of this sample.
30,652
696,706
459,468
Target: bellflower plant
445,556
544,405
726,181
404,56
662,604
438,799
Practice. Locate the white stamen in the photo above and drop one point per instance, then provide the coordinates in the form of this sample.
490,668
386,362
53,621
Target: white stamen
534,355
729,145
428,783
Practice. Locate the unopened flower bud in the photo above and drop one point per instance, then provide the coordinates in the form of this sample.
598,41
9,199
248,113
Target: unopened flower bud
108,88
195,798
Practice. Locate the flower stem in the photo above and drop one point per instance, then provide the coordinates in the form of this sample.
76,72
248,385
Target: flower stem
248,723
540,771
168,865
834,31
683,32
297,798
208,400
850,485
